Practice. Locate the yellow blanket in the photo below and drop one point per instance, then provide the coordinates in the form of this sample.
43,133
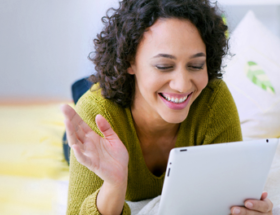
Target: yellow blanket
32,166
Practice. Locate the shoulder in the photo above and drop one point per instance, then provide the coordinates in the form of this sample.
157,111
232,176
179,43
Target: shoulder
217,97
217,114
221,102
216,92
225,121
93,103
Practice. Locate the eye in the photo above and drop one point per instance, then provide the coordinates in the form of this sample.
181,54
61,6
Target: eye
200,67
194,67
164,67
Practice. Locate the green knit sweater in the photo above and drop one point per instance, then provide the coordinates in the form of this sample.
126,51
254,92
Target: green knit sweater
212,118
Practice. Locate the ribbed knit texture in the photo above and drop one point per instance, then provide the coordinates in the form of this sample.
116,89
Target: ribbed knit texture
212,118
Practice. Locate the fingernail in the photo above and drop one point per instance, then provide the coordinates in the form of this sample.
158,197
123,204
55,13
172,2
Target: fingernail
60,107
236,211
249,205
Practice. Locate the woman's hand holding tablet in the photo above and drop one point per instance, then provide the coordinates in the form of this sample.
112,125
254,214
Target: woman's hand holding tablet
263,206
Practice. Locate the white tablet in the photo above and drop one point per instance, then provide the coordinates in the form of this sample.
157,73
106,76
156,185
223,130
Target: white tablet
210,179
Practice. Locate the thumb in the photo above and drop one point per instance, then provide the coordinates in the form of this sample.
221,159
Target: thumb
105,128
264,195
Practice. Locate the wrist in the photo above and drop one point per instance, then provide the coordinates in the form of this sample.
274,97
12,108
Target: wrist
111,198
119,180
117,185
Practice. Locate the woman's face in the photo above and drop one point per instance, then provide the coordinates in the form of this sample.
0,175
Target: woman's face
170,70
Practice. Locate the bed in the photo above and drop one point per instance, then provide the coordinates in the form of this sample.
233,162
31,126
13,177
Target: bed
33,172
34,175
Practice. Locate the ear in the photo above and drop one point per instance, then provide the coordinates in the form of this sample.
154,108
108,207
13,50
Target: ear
130,70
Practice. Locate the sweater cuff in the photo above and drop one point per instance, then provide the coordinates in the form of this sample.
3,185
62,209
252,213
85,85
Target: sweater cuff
91,206
126,209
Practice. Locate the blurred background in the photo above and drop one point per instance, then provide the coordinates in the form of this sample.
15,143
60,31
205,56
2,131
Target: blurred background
44,44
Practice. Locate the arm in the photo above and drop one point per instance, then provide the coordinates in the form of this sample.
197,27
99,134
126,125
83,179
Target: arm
116,194
95,157
84,191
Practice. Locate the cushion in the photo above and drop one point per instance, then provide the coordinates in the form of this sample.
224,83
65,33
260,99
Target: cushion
253,76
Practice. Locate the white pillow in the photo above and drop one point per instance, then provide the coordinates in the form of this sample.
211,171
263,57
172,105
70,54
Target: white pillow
253,77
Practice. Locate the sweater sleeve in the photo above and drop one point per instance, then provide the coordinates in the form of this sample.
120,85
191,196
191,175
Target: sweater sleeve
84,184
224,124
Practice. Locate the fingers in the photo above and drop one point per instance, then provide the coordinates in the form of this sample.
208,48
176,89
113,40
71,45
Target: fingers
263,206
105,128
264,195
244,211
71,133
79,127
68,112
259,205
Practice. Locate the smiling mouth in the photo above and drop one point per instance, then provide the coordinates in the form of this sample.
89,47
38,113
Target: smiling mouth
175,100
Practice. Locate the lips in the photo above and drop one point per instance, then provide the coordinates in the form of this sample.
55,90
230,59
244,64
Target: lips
174,98
175,102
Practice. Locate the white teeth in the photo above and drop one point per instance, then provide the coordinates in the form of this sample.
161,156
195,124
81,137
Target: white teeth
175,100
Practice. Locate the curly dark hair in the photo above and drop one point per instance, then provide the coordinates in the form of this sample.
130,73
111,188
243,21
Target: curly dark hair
116,45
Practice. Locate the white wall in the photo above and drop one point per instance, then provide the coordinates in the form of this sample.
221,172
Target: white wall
44,44
269,15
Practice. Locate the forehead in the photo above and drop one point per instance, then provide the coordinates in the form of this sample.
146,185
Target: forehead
174,36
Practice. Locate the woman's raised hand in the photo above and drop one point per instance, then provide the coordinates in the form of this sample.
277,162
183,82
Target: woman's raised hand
107,157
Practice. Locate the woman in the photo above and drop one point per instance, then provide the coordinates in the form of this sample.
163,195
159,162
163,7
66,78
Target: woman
159,87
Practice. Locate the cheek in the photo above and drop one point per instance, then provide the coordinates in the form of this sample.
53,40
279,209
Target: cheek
202,80
148,83
149,80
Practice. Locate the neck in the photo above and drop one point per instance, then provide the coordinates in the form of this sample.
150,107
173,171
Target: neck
153,131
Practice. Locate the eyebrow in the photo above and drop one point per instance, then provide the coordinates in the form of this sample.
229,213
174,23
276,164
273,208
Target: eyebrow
173,57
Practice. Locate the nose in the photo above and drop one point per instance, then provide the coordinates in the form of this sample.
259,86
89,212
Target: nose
181,81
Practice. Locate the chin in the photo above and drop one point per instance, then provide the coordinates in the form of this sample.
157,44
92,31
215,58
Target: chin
175,118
